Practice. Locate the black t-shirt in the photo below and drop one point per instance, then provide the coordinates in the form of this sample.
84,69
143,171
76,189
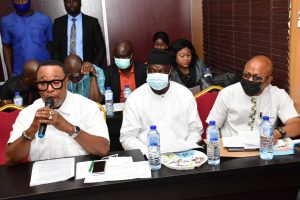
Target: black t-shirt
15,84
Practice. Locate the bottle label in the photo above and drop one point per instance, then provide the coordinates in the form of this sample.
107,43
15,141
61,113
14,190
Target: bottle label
108,96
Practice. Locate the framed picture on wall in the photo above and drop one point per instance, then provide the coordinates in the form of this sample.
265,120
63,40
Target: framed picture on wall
3,71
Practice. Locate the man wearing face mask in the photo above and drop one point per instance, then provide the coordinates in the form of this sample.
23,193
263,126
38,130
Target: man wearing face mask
240,107
124,71
164,103
26,34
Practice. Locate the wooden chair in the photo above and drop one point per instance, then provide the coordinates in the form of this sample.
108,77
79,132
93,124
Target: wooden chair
205,101
7,119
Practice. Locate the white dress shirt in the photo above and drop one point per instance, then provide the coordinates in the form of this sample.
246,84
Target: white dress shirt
174,114
232,108
77,110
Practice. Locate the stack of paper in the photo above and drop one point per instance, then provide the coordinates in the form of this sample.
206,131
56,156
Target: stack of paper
119,168
50,171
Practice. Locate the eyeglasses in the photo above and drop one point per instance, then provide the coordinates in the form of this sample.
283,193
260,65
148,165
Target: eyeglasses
55,84
255,77
72,76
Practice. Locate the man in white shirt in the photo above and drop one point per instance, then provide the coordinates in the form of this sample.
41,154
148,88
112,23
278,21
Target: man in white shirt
75,125
161,102
240,107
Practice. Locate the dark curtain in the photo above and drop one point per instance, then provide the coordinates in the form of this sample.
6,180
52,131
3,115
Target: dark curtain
236,30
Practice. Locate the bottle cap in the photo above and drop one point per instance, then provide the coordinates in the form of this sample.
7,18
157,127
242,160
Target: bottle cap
153,127
17,93
126,86
212,122
265,118
108,88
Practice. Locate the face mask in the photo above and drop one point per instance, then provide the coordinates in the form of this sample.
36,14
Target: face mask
123,63
251,88
158,81
22,7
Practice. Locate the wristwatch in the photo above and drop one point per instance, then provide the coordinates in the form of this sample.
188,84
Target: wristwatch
77,131
282,131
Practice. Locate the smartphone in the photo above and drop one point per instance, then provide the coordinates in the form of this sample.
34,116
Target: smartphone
99,167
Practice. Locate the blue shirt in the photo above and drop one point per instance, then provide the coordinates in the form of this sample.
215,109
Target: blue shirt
28,36
78,24
83,86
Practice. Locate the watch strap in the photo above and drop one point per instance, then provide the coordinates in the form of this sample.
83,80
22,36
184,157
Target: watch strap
77,131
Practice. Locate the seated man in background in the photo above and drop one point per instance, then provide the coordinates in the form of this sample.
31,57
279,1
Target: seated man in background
84,78
75,125
240,107
23,83
161,102
124,71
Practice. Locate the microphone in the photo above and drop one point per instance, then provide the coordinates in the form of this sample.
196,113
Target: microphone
48,103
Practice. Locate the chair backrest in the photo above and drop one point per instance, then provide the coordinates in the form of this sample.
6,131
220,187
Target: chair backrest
7,119
205,101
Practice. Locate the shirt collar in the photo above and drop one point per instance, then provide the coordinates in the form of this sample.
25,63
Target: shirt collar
78,17
131,71
65,106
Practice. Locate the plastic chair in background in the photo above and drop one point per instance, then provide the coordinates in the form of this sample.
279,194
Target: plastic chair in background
205,101
7,119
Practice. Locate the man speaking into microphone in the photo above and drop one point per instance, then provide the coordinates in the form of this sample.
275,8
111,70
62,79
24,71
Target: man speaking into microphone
75,124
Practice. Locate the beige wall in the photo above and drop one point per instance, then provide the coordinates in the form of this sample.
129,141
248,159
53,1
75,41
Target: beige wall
295,55
197,26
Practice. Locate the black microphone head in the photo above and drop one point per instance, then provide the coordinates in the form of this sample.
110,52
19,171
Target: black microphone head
49,102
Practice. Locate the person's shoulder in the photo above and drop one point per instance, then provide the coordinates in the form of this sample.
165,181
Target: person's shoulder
274,90
81,100
141,91
8,18
180,89
60,19
41,15
89,18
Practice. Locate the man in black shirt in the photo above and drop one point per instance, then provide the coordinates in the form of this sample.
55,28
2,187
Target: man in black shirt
23,83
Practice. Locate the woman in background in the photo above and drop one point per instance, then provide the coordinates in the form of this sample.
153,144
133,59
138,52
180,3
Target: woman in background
188,70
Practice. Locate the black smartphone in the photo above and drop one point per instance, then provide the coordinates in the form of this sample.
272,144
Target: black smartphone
99,167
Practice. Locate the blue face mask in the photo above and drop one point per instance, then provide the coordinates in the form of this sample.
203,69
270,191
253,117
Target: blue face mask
122,63
22,7
158,81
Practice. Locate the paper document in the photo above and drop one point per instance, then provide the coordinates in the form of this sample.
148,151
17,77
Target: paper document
50,171
244,140
121,168
178,147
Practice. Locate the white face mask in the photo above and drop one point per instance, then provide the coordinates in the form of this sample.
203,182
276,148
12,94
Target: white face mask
158,81
123,63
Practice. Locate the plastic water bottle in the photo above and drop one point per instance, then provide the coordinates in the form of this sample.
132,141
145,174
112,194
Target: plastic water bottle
127,91
18,100
154,148
266,139
109,102
207,72
213,145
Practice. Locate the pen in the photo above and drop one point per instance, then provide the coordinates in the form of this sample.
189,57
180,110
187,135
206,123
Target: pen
91,166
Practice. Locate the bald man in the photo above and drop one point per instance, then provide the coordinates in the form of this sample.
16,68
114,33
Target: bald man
23,83
124,71
85,78
240,107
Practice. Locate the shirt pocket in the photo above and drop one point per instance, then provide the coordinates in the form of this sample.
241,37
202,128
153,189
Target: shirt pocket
38,35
